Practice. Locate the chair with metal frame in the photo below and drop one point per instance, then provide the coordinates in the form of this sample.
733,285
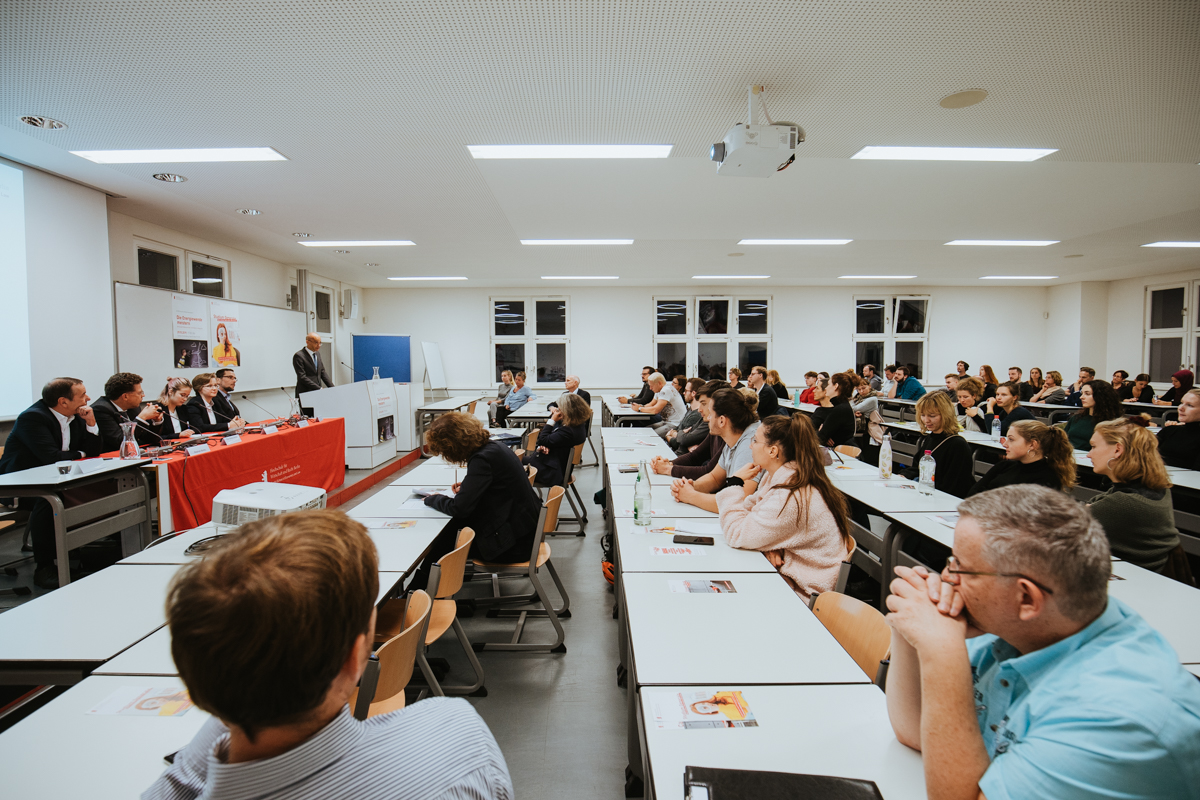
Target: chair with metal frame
395,659
578,516
860,629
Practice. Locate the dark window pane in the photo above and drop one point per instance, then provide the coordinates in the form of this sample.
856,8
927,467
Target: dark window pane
712,316
322,302
551,363
869,353
1166,309
509,356
750,355
158,269
672,358
869,316
1166,357
671,317
912,355
551,319
207,279
752,316
711,356
910,316
509,316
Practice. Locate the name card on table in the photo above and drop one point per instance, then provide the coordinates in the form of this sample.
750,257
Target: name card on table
269,429
237,437
196,450
303,423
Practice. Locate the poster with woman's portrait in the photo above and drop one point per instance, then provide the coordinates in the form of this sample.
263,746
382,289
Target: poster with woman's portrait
226,340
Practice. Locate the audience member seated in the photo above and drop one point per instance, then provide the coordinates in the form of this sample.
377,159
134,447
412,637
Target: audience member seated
645,395
784,504
735,378
906,386
1027,390
556,443
1006,406
990,382
280,725
506,384
776,383
517,397
732,418
1035,382
1120,379
701,459
173,397
872,379
1181,383
667,406
1051,392
693,428
572,384
939,437
122,402
1136,511
889,380
962,368
1100,402
1034,453
971,416
679,382
61,426
806,396
1073,393
865,405
1179,441
1139,390
951,389
834,417
1064,692
768,401
199,412
493,498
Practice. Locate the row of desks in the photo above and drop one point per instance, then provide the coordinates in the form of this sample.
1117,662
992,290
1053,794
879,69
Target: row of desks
900,409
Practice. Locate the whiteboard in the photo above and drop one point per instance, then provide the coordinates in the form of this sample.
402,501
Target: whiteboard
263,338
433,365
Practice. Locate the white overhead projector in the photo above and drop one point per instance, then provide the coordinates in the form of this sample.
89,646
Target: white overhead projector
755,150
260,500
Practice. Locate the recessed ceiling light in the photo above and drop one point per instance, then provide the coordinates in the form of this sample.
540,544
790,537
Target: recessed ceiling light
570,150
876,277
185,156
1003,242
341,251
249,212
302,235
206,280
952,153
169,177
395,243
1172,244
1074,255
735,255
581,277
795,241
428,278
730,277
372,264
45,123
577,241
970,97
1018,277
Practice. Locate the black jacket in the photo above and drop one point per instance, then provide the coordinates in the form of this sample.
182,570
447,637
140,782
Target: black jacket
36,440
834,424
109,419
308,378
952,472
560,440
583,394
224,405
1179,445
1010,473
1126,393
781,391
768,402
644,397
1006,418
495,500
195,415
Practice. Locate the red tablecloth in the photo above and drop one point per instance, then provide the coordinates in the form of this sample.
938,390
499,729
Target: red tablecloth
311,456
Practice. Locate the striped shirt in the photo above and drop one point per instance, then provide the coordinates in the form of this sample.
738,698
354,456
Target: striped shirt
437,748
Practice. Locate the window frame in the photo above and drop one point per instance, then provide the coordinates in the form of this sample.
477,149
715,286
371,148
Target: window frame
1187,333
692,338
178,253
889,337
530,338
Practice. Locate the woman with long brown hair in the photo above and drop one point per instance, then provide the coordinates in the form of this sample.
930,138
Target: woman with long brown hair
1034,453
990,382
794,514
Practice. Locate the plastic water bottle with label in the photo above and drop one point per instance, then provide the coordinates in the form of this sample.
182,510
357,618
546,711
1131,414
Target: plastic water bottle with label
996,427
641,497
927,466
885,458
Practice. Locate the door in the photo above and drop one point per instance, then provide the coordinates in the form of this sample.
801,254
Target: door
322,302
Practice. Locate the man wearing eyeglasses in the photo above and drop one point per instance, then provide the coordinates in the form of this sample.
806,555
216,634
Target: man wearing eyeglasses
1015,674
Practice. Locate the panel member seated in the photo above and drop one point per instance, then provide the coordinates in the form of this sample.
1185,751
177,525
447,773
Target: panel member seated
1016,675
200,411
556,442
733,419
173,398
122,402
223,402
281,726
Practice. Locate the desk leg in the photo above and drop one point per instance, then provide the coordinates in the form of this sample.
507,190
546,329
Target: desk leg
60,540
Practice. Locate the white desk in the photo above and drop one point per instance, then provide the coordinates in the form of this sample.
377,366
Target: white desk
171,551
1167,605
921,523
764,633
82,624
818,730
150,656
1193,668
617,414
60,751
401,549
450,403
386,505
431,473
618,478
1186,478
661,500
635,550
852,469
891,499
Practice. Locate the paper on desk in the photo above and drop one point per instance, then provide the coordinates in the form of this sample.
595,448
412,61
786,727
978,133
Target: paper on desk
398,524
654,512
677,550
949,520
689,710
145,701
895,485
432,490
413,503
702,587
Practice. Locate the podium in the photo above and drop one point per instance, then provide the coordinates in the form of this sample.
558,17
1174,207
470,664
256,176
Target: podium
375,415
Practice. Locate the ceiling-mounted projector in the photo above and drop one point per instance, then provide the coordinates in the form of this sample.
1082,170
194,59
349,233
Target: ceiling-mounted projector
755,150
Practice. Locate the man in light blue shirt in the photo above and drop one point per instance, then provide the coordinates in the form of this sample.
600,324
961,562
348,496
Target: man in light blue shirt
1015,674
517,397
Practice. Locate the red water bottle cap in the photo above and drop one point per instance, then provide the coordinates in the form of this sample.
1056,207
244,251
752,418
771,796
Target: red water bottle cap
928,452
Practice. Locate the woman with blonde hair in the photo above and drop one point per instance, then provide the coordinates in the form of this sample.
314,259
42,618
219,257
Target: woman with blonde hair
175,395
794,513
776,383
950,452
1136,512
1034,453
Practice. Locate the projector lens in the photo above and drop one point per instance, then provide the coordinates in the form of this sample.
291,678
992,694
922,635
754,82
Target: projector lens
717,152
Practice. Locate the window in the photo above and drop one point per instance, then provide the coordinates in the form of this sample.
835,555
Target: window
723,332
891,329
1172,331
168,267
157,269
539,346
208,275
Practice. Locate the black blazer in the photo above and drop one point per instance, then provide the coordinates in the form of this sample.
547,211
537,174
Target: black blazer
109,419
36,440
834,424
768,402
195,415
308,377
560,440
224,405
495,500
583,394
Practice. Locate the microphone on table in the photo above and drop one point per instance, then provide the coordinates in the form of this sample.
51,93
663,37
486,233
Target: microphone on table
260,408
356,372
299,413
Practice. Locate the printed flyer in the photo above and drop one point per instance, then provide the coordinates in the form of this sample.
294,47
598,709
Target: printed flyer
691,710
697,586
144,701
226,339
189,331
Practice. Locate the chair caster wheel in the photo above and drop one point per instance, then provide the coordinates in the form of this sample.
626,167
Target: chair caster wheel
562,648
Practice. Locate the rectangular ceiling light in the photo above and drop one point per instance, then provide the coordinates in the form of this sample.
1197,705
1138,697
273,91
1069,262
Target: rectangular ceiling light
876,277
953,153
730,277
185,156
428,278
388,243
1172,244
1003,242
581,277
570,150
577,241
1018,277
795,241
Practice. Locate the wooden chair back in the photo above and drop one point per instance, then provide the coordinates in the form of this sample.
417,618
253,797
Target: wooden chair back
858,627
577,456
531,471
844,568
848,450
550,522
397,656
531,436
471,407
449,568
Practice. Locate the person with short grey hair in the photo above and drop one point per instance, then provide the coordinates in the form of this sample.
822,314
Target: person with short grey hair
667,405
1016,675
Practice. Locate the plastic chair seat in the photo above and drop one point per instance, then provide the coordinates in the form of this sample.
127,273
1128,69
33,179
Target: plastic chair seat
543,557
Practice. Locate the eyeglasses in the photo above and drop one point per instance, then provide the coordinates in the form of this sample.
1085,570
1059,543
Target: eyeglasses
952,568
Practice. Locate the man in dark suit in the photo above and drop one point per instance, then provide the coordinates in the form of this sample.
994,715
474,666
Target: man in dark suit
223,402
122,402
59,427
310,369
768,401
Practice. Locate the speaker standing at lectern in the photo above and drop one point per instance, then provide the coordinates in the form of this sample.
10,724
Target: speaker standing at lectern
310,369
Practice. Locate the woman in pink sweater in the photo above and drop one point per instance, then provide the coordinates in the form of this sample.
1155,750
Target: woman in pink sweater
793,514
